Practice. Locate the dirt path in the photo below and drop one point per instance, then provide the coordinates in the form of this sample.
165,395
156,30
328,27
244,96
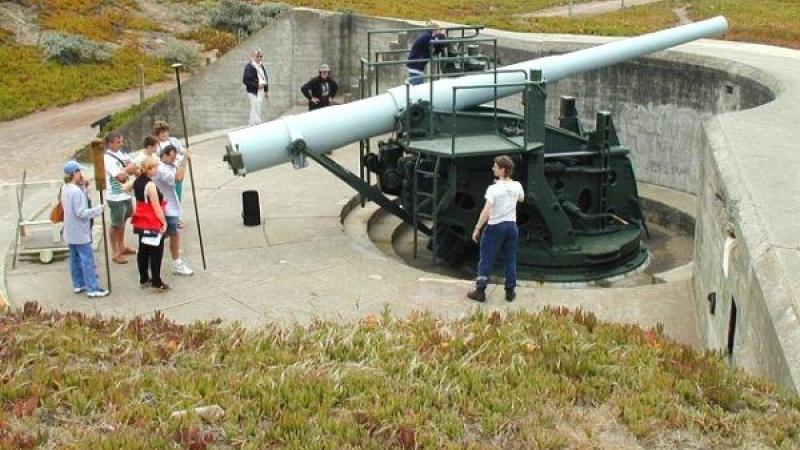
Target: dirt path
588,9
42,141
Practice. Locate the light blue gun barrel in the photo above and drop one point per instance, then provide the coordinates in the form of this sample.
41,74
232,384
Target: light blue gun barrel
266,145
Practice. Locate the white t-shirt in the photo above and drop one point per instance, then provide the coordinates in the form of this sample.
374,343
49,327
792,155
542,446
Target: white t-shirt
165,181
115,162
262,79
139,157
504,196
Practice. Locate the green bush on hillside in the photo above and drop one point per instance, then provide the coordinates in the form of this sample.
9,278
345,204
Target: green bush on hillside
183,54
242,18
69,49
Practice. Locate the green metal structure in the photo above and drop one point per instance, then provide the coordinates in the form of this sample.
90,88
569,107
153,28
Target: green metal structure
581,218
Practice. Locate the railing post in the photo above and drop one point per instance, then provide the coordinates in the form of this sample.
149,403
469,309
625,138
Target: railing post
141,83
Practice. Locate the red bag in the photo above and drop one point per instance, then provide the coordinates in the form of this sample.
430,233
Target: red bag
145,219
57,213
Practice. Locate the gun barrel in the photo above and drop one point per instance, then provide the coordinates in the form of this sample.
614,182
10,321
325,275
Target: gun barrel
326,129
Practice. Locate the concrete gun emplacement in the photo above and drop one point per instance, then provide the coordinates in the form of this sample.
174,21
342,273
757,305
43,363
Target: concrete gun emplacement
581,219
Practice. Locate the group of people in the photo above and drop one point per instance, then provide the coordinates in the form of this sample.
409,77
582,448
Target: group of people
319,90
496,230
155,175
154,178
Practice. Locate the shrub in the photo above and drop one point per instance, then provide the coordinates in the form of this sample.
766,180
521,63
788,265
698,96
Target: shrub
238,17
69,49
5,36
182,53
212,38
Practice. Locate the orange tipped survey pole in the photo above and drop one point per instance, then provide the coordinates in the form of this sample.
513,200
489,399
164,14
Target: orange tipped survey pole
100,184
177,67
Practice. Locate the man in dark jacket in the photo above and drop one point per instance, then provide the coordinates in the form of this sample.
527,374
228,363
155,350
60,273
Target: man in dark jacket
257,85
421,49
321,89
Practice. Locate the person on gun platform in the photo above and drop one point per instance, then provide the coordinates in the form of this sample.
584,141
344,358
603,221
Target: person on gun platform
321,89
421,49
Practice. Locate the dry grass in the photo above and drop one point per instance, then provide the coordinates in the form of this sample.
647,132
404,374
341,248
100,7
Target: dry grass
106,23
5,35
212,38
767,21
549,380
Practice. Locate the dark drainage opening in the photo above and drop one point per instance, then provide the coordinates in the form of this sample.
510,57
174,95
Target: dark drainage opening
732,328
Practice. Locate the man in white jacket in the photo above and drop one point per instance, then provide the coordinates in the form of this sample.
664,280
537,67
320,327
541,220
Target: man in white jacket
256,82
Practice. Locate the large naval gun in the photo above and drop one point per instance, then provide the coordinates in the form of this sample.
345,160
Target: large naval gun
581,218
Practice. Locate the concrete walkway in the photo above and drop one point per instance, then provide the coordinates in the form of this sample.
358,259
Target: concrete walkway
302,264
42,141
588,9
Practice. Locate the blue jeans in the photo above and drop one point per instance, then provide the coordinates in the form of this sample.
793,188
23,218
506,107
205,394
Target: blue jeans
498,238
82,267
415,78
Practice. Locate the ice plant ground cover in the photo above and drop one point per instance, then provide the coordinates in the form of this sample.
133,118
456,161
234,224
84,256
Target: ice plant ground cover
551,379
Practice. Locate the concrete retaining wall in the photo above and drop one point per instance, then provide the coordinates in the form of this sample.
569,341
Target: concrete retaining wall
712,119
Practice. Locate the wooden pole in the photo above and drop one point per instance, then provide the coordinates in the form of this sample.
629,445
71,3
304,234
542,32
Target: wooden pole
20,202
141,84
100,184
177,67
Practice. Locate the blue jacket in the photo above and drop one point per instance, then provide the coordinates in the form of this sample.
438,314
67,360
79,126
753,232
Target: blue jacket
250,79
421,49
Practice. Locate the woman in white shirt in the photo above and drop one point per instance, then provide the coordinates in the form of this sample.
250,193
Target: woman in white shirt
501,233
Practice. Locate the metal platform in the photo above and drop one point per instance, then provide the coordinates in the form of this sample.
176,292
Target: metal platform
469,146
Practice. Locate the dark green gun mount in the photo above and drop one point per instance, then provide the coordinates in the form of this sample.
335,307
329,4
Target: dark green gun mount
581,218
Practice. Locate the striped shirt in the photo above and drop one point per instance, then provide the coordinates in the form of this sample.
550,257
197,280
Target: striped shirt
115,163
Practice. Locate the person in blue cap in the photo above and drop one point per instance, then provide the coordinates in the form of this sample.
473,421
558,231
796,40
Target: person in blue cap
78,231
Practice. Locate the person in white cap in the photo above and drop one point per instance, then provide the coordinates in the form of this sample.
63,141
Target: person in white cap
321,89
78,231
256,83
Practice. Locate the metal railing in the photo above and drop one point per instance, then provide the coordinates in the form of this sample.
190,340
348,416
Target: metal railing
527,84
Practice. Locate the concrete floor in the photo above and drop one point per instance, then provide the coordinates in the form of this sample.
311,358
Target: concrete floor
302,264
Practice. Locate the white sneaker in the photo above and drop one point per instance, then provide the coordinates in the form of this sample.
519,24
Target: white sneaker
179,267
99,293
79,290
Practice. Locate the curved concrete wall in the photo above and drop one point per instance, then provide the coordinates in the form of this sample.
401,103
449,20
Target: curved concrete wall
716,119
